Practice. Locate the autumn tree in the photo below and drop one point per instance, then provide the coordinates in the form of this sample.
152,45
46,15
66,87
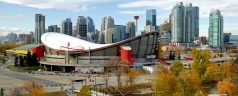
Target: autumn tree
164,82
189,83
28,88
209,74
33,88
177,67
84,91
17,91
227,87
200,61
131,76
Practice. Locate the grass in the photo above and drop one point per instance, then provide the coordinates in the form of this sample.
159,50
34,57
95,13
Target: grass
23,69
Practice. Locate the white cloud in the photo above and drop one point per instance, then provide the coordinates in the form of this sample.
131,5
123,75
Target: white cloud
15,17
132,12
69,5
4,30
227,7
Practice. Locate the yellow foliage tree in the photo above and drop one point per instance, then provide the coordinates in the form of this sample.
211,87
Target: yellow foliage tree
227,87
85,91
131,76
177,67
200,61
165,84
33,89
192,83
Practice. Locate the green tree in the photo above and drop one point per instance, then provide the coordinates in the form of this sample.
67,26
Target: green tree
200,61
177,67
209,75
85,91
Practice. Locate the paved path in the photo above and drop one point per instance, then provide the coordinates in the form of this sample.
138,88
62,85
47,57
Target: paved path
23,76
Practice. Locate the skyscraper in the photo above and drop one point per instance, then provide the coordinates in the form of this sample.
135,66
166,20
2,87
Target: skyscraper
12,37
184,24
81,27
90,29
53,28
177,22
226,37
39,27
107,30
130,29
151,17
215,29
66,27
120,33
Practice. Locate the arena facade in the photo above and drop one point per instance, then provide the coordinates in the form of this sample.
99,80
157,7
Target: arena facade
66,53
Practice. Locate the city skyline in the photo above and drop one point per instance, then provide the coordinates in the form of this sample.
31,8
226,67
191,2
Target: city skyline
17,12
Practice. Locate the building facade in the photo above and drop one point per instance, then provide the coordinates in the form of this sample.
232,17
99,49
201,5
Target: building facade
184,24
107,30
215,35
12,37
66,27
81,27
130,29
165,33
53,28
39,27
120,33
90,30
227,37
151,17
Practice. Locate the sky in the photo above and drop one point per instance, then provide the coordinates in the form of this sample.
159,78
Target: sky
18,15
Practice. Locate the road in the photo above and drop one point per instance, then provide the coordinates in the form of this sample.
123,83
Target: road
23,76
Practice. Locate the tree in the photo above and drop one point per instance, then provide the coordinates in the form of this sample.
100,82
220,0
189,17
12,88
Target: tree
28,58
17,91
200,61
191,82
85,91
177,67
164,84
33,89
131,76
209,75
28,88
227,87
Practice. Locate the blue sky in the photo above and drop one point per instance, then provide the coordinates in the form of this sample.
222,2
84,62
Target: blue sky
18,15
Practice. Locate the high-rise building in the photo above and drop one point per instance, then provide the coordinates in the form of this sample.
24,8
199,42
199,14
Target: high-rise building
184,22
151,17
120,33
90,29
107,30
28,39
12,37
216,29
39,27
165,33
53,28
203,40
196,22
130,29
66,27
81,27
227,37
